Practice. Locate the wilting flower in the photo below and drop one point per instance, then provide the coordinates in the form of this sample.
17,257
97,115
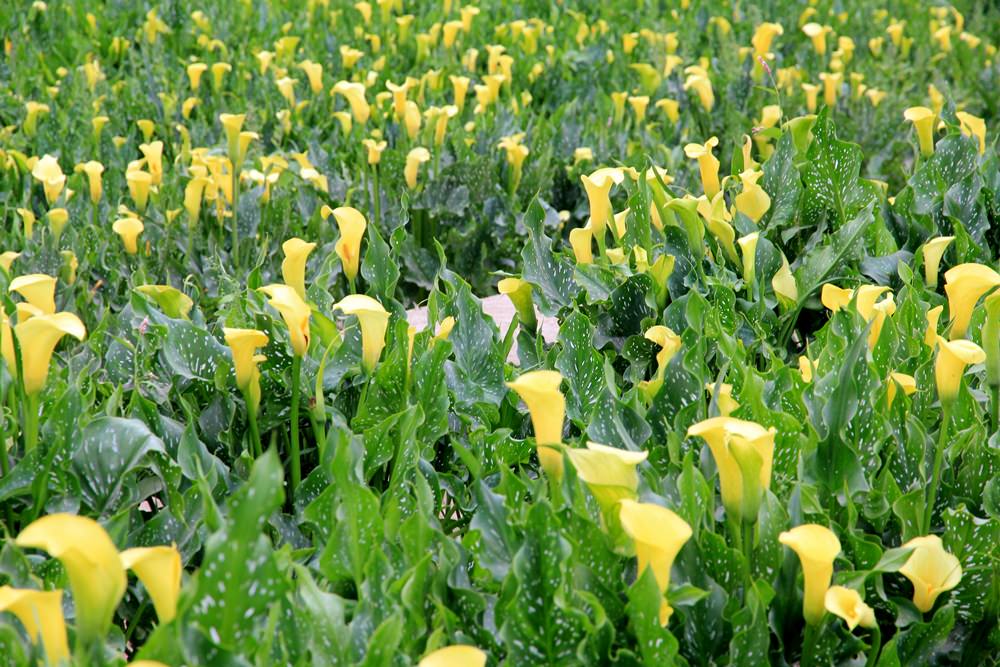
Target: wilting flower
609,472
848,604
414,159
293,267
923,120
933,251
659,535
40,612
352,225
159,570
931,570
129,229
817,547
708,164
952,358
905,382
743,453
38,289
540,392
95,571
964,285
519,293
455,656
48,172
374,319
294,311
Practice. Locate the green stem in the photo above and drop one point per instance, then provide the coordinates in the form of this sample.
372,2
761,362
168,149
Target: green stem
748,539
938,461
377,196
296,464
995,406
255,446
876,647
809,646
30,422
236,229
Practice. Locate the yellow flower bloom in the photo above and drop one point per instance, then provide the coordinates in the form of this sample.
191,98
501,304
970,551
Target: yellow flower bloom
374,149
817,547
817,33
848,604
753,201
609,472
194,72
48,172
95,571
354,93
831,85
294,311
931,570
293,267
717,219
414,159
748,248
933,251
905,382
232,123
40,612
243,344
7,258
159,570
952,359
314,72
964,285
743,453
373,319
57,217
540,392
659,535
812,93
153,152
763,36
139,184
38,289
28,220
598,187
724,401
352,225
806,368
923,120
519,293
34,110
702,85
973,126
38,337
708,164
581,238
931,335
173,302
129,229
785,288
93,169
455,656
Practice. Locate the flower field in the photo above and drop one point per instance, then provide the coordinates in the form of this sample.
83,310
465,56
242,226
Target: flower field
746,412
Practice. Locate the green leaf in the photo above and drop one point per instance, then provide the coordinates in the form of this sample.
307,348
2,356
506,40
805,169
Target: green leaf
476,375
379,267
110,448
831,175
782,183
551,275
193,353
580,364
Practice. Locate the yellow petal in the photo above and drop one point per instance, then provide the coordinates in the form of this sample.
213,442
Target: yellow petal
352,225
40,612
38,338
159,569
293,267
455,656
931,570
374,319
848,605
949,367
295,313
817,547
38,289
964,285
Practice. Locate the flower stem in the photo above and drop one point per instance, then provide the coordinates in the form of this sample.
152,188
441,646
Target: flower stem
296,464
995,406
235,224
30,421
376,196
255,446
938,461
876,647
809,646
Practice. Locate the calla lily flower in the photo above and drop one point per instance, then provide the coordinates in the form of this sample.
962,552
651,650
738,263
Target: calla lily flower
38,338
903,381
659,535
455,656
153,152
743,453
931,335
817,547
931,570
314,72
717,220
785,288
194,72
37,289
293,267
817,33
933,251
753,201
670,343
702,85
243,344
129,229
352,225
519,293
159,570
173,302
354,93
294,311
806,368
57,218
598,187
139,184
964,285
7,258
96,576
848,604
93,169
724,401
232,123
952,359
748,248
28,220
708,164
609,472
764,35
923,120
973,126
48,172
540,392
374,319
582,239
414,159
40,612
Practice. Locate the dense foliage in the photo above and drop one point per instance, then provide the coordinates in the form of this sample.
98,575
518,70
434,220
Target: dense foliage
765,433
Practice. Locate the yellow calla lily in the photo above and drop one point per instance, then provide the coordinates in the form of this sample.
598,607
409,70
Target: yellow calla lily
923,120
173,302
354,93
7,258
609,472
57,217
95,571
38,338
785,288
659,535
880,312
748,249
965,284
582,239
806,368
598,187
519,293
37,289
540,392
28,220
933,251
724,400
139,184
973,126
243,344
455,656
848,604
414,159
717,219
952,358
931,570
931,335
40,612
352,225
817,547
294,311
159,570
153,152
817,33
232,124
743,453
764,35
48,172
374,319
753,201
93,169
293,267
905,382
129,229
702,85
708,165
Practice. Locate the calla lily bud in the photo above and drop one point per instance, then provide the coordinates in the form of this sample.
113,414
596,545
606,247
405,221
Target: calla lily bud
373,319
40,612
293,267
352,225
455,656
817,547
661,271
540,392
294,311
96,576
159,570
931,570
952,359
659,535
519,293
964,285
931,335
848,604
